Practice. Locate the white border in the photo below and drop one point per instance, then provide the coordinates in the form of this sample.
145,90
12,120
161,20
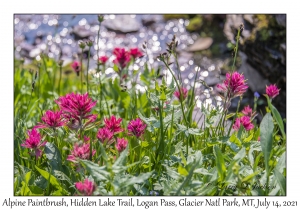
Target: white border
133,7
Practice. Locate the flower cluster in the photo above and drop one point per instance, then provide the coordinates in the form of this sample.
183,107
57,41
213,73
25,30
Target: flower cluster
105,135
247,111
34,142
76,66
123,57
77,107
86,187
121,144
272,91
184,93
245,121
81,152
52,119
103,59
113,124
234,85
136,127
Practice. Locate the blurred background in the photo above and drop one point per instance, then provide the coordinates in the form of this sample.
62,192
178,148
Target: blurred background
206,42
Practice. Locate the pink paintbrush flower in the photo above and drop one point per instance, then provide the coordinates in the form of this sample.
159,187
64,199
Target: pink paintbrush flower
34,142
86,187
76,66
135,53
245,121
247,111
121,144
81,152
103,59
113,124
105,135
51,119
184,93
86,139
122,57
234,85
272,91
136,127
77,106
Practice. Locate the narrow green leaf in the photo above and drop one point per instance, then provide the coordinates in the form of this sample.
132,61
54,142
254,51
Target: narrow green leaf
250,176
52,179
266,139
220,162
240,155
281,181
281,165
277,117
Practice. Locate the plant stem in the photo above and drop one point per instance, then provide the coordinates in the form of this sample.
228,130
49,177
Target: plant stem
236,48
60,74
180,91
81,71
87,71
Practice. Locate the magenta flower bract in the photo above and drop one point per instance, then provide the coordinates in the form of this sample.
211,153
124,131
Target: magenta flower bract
184,92
247,111
86,187
135,53
234,85
81,152
272,91
51,119
76,66
105,135
245,121
122,57
86,138
103,59
34,142
121,144
77,106
113,124
136,127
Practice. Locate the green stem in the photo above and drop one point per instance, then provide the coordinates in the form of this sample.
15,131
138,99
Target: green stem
180,91
87,71
81,71
236,113
236,48
60,74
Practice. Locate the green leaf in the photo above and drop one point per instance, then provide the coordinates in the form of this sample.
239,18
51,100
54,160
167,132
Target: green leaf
121,160
97,172
182,171
54,156
240,155
138,179
277,117
198,160
220,162
281,165
36,190
163,96
266,139
281,181
53,181
235,140
250,176
27,177
249,138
